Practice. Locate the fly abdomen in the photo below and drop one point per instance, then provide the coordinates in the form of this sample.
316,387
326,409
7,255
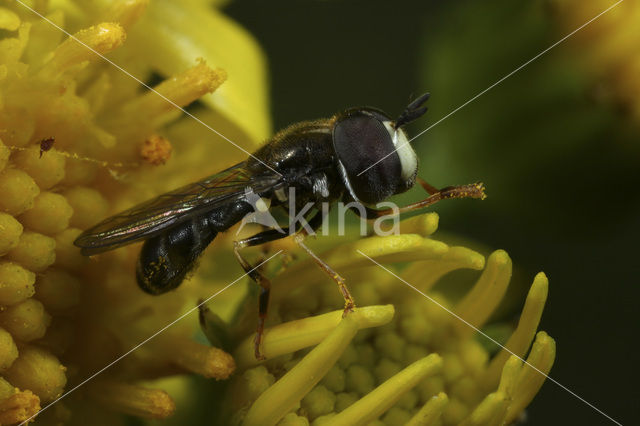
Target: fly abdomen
166,259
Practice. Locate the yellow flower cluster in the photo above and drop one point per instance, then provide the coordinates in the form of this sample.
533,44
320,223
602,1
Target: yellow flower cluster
80,140
610,47
399,358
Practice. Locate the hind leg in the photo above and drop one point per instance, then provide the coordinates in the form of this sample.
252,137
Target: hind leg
256,275
263,301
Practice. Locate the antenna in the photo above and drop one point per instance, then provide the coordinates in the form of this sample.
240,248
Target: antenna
412,111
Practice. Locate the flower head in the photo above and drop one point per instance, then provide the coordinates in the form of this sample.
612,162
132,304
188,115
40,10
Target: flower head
406,355
80,140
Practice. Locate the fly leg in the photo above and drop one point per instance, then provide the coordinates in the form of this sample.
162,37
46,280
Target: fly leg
257,276
265,285
314,223
474,190
263,301
427,186
349,304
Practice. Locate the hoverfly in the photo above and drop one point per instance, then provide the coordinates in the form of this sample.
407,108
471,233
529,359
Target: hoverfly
322,160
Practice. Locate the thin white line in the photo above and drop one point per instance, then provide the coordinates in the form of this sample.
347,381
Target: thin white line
148,338
147,86
494,341
494,84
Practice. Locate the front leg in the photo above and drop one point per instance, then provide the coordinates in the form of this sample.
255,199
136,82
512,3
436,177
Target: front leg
474,190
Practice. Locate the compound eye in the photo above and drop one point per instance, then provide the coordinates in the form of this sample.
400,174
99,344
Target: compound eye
361,140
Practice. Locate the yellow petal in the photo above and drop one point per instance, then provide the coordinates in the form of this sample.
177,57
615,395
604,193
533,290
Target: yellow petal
243,101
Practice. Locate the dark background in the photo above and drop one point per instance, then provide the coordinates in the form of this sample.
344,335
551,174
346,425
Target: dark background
561,168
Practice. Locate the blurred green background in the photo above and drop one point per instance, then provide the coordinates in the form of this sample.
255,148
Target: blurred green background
560,161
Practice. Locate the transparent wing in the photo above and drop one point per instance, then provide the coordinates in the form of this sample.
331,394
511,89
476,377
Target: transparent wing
153,216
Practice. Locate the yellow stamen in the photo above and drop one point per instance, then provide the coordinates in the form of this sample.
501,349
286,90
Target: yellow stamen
18,191
155,150
489,412
46,171
181,89
424,224
38,370
34,251
486,294
430,412
387,394
89,206
530,380
15,405
200,359
50,214
455,258
8,350
26,320
521,338
102,38
16,283
282,396
295,335
133,400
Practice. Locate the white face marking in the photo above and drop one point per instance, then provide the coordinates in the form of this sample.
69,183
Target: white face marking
262,205
321,186
408,157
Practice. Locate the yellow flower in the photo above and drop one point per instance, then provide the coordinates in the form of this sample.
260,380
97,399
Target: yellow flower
609,47
79,140
400,358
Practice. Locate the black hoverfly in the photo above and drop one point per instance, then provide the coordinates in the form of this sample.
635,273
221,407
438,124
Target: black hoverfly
322,160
